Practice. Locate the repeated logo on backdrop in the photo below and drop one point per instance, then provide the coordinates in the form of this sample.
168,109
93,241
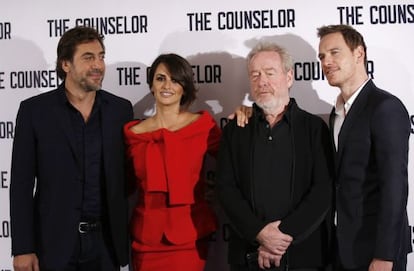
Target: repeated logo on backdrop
105,25
213,72
382,14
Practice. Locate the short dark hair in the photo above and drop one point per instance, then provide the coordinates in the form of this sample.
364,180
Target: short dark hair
181,71
352,37
70,40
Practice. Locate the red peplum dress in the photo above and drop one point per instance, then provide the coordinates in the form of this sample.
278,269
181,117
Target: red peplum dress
171,220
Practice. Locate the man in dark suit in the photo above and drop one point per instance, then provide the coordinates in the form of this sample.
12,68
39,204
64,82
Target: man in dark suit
68,203
274,176
370,129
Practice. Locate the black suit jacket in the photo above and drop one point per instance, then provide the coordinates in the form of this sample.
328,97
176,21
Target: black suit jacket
46,222
371,179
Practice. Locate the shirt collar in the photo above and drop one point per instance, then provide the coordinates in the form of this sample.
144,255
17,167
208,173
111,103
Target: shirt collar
340,104
286,115
97,103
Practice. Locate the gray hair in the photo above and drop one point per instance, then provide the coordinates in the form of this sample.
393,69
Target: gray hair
287,60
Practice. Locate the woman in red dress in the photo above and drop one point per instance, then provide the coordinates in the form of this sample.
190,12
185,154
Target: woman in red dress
172,220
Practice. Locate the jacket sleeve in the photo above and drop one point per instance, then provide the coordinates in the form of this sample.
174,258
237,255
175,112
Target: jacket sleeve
23,173
390,138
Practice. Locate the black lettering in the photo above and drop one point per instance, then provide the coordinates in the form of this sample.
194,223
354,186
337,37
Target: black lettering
350,15
207,74
5,229
370,68
116,25
34,79
6,129
220,16
58,27
128,75
199,21
308,71
2,80
5,30
410,11
265,18
230,20
254,19
3,179
392,14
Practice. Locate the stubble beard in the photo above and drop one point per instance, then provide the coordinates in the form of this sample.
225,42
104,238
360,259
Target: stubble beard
91,85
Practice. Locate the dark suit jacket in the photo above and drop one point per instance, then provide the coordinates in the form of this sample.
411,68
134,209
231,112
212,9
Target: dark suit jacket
310,189
371,179
46,222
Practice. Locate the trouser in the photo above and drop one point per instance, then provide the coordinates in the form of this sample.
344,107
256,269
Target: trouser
93,252
399,265
244,267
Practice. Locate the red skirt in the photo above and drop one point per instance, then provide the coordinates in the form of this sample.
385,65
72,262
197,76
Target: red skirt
178,260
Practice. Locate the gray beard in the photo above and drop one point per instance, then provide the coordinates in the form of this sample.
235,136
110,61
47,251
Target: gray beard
268,107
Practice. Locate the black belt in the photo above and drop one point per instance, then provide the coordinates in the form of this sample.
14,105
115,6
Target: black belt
85,226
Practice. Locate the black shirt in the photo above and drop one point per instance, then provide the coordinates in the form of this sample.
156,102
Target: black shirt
272,167
88,140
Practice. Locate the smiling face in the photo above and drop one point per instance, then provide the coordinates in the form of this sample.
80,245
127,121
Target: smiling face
166,90
86,70
341,65
269,82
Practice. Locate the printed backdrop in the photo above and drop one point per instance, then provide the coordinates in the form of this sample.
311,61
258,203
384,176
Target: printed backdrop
215,36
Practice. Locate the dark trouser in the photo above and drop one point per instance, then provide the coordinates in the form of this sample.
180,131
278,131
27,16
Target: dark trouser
243,267
399,265
92,253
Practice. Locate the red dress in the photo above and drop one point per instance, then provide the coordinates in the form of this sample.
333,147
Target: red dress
171,217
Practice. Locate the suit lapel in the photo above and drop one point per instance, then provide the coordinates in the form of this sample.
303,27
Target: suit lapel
352,116
61,113
107,130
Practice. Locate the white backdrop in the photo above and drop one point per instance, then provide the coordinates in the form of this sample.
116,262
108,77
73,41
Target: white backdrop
215,36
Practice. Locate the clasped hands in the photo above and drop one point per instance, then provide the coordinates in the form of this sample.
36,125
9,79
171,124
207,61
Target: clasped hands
273,245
